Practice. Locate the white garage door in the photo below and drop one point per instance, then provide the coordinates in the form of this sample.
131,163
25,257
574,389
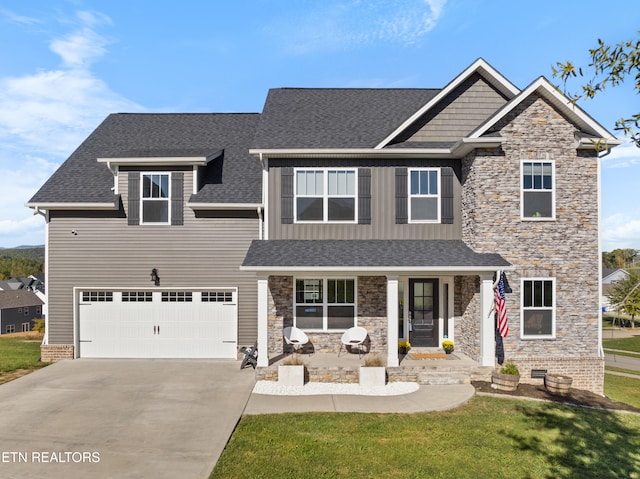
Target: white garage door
158,324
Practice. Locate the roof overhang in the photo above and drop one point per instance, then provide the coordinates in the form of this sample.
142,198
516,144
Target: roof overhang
457,150
596,136
161,160
224,206
73,206
383,270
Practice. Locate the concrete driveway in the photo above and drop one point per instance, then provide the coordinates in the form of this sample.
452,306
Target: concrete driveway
121,418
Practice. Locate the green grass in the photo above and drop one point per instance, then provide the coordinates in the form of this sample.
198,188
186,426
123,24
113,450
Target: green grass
622,370
19,353
626,344
487,437
623,389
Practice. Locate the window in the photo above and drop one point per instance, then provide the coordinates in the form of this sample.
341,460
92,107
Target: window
26,327
538,308
38,310
424,195
217,297
325,304
177,297
154,202
325,195
97,296
26,310
538,196
11,328
137,296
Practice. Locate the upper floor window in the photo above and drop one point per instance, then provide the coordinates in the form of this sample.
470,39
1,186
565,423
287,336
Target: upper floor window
538,308
538,195
155,196
424,195
325,195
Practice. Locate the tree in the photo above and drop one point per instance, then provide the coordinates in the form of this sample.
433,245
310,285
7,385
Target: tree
619,258
625,296
610,65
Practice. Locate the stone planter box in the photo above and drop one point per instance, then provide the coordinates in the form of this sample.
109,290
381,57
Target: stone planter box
505,382
372,376
291,375
557,383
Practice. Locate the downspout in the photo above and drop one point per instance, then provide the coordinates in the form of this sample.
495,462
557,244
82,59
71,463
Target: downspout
259,222
265,196
600,352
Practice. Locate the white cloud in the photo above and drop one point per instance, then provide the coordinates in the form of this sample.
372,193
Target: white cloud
342,25
44,116
620,231
622,156
19,18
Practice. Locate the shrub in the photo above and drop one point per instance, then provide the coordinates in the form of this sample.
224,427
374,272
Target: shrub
510,368
39,325
293,360
373,361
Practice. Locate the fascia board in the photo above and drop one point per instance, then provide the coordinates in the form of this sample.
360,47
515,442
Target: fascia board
349,152
73,206
546,89
161,160
480,66
378,269
224,206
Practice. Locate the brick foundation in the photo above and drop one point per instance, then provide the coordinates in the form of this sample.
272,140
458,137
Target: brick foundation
587,372
50,353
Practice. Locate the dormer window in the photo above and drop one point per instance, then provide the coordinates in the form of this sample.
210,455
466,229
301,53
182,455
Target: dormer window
155,194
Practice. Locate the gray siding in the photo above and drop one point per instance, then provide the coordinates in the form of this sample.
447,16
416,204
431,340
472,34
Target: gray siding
458,114
383,213
204,252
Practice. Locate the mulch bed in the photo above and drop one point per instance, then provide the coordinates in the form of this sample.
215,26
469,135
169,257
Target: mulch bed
576,397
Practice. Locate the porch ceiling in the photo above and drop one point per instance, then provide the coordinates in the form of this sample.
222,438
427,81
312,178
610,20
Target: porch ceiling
383,256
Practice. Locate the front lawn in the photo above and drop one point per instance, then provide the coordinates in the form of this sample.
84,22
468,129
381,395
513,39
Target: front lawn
623,389
19,354
624,344
487,437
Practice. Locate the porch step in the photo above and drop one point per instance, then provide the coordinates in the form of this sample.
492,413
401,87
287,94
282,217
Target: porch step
433,378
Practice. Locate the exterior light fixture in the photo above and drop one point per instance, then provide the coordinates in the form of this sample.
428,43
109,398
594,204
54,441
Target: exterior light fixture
154,277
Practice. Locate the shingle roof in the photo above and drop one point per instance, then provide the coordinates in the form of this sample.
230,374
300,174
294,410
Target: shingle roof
235,177
18,299
335,118
368,254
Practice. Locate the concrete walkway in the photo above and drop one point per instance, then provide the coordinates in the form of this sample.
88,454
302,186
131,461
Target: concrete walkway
425,399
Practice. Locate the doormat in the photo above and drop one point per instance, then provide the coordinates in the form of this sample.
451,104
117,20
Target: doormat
429,355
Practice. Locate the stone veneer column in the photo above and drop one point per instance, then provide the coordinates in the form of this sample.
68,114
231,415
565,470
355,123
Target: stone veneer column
392,321
487,331
263,314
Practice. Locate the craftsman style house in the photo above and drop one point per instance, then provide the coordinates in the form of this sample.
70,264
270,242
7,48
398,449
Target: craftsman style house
190,235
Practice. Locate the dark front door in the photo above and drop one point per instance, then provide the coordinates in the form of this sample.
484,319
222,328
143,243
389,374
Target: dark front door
423,312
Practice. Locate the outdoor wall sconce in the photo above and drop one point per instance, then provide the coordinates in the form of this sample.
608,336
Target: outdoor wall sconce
154,277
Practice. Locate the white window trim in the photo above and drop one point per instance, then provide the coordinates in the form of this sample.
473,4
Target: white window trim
438,196
143,199
552,190
26,327
325,196
325,304
553,310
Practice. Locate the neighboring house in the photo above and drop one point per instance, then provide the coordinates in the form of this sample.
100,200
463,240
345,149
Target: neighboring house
391,209
18,310
30,283
610,276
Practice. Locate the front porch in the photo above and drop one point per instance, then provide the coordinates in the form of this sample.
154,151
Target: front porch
435,368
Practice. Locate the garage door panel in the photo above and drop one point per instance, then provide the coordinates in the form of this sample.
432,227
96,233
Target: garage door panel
160,329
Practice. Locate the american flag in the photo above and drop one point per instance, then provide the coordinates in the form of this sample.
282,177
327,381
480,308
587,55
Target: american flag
501,308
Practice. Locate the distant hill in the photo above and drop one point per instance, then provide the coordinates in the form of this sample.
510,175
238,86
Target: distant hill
23,252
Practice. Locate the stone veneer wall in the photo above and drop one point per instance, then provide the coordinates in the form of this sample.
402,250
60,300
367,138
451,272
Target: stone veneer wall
50,353
565,249
372,314
466,309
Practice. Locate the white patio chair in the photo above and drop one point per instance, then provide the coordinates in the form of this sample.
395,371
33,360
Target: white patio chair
295,337
353,337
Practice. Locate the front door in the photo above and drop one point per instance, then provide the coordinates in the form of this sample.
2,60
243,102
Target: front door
423,312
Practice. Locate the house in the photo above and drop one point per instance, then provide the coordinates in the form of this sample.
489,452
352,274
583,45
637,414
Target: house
18,311
609,277
189,235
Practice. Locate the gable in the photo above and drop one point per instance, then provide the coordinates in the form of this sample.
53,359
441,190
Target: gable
457,114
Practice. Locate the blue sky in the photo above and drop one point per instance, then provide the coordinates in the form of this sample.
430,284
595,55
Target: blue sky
65,65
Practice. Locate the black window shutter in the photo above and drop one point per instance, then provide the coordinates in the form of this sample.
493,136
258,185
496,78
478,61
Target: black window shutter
134,198
446,197
402,208
364,196
286,196
177,193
